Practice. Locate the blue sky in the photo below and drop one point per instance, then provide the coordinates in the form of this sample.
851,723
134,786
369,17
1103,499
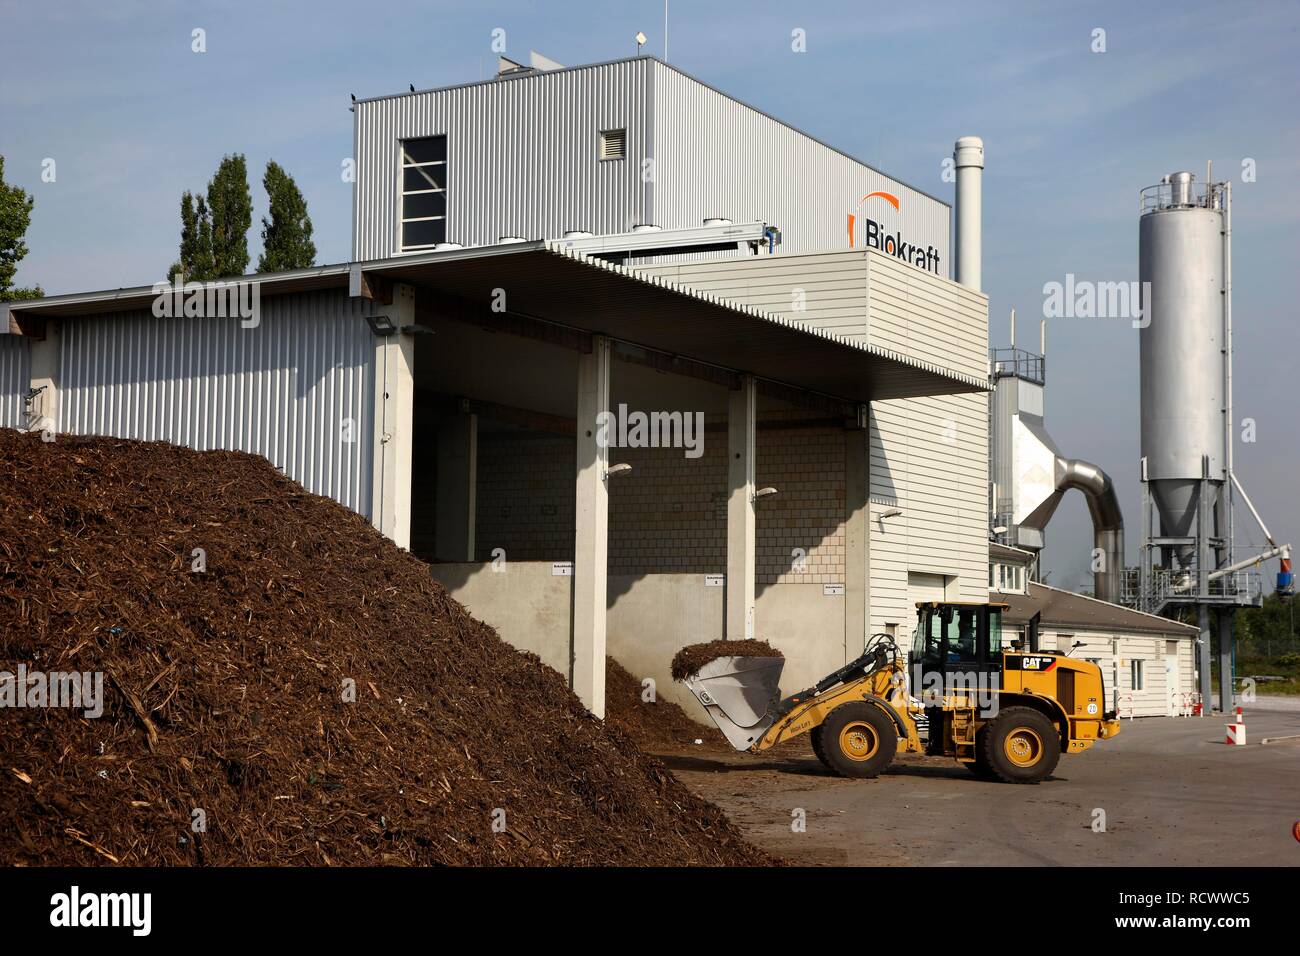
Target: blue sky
113,93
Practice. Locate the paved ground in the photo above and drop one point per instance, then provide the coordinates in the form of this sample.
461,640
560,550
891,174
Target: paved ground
1173,793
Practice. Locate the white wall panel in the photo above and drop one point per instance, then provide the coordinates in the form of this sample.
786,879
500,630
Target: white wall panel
285,390
15,380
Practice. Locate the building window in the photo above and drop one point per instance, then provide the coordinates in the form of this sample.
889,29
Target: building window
613,143
1137,678
424,192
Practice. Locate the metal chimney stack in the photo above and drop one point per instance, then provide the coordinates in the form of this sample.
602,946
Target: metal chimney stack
968,157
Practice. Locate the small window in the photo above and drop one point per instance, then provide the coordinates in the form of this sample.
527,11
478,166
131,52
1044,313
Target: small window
613,143
424,192
1137,677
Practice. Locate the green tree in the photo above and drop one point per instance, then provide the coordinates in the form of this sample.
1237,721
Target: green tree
214,232
15,217
286,235
231,206
196,240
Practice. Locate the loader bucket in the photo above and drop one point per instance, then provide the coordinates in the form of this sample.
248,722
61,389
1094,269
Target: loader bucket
741,694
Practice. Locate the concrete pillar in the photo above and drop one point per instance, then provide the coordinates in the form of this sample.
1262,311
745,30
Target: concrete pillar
457,480
742,414
857,537
591,530
1225,661
394,419
43,413
1203,656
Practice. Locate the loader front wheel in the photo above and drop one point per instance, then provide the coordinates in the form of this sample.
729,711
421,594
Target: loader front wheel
1021,746
815,736
858,740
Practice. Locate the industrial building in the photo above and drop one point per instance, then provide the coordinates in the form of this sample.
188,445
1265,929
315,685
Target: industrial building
623,383
535,250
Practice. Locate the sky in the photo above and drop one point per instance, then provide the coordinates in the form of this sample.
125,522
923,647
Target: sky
132,117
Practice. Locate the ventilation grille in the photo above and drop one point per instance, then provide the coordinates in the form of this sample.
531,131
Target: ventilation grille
613,143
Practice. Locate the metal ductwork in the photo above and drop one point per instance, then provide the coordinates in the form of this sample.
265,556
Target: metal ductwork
1107,519
1031,476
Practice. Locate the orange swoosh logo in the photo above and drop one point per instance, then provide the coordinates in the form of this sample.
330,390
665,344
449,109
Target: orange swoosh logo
887,197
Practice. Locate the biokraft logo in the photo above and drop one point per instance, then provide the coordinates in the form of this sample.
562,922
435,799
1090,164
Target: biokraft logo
877,236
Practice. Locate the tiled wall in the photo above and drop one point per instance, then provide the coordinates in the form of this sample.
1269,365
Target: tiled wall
670,513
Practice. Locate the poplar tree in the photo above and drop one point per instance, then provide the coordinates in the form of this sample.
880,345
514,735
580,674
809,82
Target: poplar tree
286,235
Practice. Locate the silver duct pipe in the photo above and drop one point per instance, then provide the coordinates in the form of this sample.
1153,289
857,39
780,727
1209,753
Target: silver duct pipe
1107,519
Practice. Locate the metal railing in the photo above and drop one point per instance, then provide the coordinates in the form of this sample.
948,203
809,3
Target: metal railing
1018,363
1182,587
1175,195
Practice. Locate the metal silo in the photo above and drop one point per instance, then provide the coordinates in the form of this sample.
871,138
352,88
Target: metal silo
1183,360
1187,558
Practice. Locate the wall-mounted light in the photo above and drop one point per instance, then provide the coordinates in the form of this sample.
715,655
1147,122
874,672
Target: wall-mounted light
381,324
891,513
763,493
622,468
1001,529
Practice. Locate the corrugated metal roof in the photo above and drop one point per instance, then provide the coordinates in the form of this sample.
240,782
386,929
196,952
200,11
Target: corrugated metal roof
546,281
1067,609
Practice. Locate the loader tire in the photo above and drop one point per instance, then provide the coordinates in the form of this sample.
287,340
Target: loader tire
815,736
1021,746
858,740
980,766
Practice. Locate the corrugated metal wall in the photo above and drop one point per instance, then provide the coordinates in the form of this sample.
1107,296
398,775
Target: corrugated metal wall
522,156
15,380
297,389
523,160
717,157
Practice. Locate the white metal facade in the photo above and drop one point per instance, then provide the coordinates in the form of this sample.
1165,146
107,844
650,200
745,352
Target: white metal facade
524,160
15,380
298,389
929,456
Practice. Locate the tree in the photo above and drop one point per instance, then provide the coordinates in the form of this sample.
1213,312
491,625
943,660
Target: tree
15,216
196,240
231,205
286,235
214,234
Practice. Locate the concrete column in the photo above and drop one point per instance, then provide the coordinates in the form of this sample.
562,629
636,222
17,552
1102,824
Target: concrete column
857,537
394,417
43,414
591,530
1203,656
457,480
1225,661
742,413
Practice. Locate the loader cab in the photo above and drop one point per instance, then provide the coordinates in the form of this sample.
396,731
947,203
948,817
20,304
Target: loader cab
955,638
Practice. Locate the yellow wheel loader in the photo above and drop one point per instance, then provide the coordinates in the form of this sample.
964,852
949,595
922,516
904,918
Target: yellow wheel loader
1006,712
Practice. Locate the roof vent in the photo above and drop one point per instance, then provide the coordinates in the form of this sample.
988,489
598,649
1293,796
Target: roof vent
645,227
717,221
507,240
577,234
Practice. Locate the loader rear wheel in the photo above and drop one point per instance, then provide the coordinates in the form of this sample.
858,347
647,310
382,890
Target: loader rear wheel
1021,746
858,740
